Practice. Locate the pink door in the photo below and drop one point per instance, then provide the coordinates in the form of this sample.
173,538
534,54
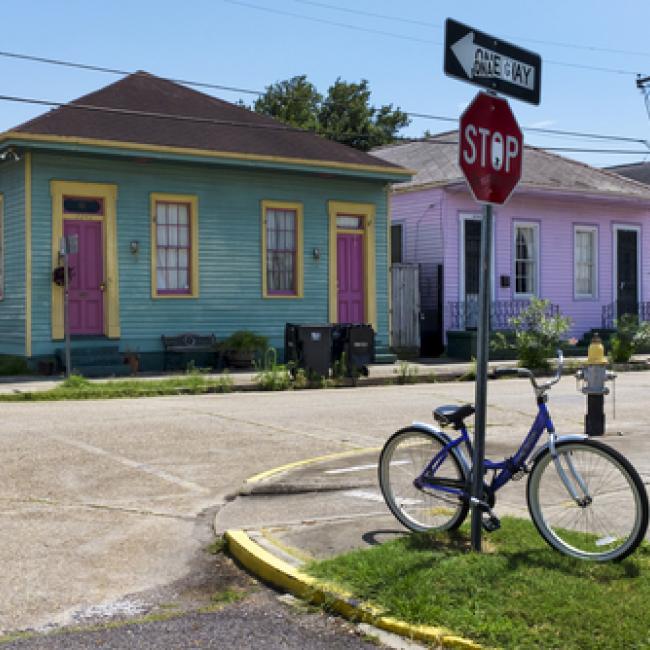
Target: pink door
349,259
86,278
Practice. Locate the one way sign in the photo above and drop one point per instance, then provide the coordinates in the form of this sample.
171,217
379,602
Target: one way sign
481,59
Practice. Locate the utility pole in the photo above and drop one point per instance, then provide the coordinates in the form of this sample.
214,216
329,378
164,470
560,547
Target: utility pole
643,84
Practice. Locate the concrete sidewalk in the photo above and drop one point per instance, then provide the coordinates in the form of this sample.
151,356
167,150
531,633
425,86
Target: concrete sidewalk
242,380
423,370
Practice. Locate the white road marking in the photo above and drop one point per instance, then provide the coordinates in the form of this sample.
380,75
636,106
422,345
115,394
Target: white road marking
364,494
359,468
133,464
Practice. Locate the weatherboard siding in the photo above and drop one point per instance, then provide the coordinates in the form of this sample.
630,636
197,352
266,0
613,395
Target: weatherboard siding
12,305
423,238
230,266
556,218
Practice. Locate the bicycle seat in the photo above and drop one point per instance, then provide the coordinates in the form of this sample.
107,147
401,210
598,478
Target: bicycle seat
452,414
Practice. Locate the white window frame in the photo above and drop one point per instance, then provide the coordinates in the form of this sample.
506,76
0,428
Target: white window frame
462,218
578,228
535,226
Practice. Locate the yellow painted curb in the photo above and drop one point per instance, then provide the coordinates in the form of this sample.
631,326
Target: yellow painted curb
281,574
318,459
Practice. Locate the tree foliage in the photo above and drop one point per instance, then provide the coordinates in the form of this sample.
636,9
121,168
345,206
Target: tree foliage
344,114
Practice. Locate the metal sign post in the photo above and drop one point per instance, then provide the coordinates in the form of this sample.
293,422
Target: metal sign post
482,343
490,155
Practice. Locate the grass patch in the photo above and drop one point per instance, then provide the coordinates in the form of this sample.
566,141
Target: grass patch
518,594
217,546
76,387
227,596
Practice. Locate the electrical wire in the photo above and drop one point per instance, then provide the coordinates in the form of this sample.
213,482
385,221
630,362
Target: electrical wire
97,68
325,21
413,114
279,126
424,23
266,126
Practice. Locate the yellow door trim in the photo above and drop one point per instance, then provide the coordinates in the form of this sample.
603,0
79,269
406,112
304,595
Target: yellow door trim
108,192
28,254
367,211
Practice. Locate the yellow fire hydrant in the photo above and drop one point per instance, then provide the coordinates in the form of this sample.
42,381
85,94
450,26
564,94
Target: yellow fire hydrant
593,377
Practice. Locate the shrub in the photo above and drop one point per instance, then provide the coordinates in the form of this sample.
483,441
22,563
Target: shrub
10,365
630,335
537,335
406,373
244,341
273,375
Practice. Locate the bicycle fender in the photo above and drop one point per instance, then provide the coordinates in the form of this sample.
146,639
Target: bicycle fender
574,437
458,452
431,429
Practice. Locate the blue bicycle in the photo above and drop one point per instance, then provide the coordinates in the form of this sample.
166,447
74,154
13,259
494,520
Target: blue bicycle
586,499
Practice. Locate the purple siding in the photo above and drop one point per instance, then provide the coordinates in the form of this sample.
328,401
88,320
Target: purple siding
431,230
423,239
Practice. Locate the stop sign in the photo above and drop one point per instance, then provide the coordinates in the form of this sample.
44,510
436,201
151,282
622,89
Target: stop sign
491,149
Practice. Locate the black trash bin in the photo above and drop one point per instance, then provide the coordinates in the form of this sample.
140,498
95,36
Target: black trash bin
309,347
355,343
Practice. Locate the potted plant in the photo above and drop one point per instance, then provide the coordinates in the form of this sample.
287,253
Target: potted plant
241,348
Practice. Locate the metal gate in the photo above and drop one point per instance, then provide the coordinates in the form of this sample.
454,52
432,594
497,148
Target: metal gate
405,289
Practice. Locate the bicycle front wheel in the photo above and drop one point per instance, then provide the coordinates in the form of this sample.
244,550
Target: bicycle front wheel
589,502
403,458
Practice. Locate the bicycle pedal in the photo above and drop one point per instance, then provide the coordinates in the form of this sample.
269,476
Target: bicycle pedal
491,523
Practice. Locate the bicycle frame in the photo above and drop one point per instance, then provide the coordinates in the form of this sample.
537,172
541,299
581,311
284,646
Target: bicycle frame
503,470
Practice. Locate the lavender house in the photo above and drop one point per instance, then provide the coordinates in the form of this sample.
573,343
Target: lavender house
570,233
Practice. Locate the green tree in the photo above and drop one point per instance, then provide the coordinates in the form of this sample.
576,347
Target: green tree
294,101
344,115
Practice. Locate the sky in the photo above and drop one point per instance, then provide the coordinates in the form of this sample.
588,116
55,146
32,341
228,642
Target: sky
591,53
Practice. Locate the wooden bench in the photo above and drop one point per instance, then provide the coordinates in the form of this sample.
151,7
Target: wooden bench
184,344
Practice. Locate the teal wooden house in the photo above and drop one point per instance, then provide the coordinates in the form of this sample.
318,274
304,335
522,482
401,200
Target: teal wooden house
191,215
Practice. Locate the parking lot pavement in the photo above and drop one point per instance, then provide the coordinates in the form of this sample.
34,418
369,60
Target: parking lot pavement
99,500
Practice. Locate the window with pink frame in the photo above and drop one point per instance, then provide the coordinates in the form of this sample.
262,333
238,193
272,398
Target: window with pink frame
173,248
281,226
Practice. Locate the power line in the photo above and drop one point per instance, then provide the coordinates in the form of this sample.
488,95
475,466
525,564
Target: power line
135,113
268,126
335,23
325,21
545,131
424,23
202,84
97,68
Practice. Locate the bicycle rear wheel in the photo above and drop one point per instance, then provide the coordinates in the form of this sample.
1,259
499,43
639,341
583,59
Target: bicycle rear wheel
612,517
403,458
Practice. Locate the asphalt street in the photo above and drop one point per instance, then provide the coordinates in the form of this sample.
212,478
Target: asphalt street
104,504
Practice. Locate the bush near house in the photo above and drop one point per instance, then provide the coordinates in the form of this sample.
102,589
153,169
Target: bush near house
536,335
241,348
629,337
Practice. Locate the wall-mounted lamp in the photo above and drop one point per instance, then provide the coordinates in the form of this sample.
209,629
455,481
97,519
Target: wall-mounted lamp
134,246
10,154
316,253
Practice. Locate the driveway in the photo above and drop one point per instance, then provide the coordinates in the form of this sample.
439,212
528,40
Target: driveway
102,499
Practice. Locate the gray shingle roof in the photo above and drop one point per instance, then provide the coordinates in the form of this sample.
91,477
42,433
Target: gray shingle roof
436,163
153,111
636,171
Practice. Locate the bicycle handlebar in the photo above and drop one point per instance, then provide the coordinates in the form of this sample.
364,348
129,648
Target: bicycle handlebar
525,372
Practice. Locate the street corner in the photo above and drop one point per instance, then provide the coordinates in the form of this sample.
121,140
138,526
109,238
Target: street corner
313,509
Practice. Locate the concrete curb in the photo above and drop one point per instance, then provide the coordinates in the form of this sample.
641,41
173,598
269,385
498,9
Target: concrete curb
280,574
